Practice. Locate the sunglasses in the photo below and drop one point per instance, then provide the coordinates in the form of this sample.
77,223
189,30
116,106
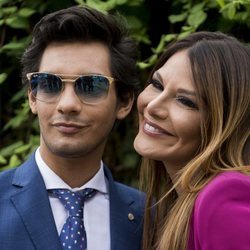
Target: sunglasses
90,89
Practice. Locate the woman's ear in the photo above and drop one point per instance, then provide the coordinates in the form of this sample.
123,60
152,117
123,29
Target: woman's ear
124,107
32,102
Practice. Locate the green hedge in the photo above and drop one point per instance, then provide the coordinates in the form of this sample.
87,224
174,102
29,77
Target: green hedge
152,23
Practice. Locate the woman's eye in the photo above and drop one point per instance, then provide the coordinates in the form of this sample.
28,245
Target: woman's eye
187,102
156,84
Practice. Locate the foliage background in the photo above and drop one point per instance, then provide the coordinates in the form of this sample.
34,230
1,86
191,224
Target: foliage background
153,23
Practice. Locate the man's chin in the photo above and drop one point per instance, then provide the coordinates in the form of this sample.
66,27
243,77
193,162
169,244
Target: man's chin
66,152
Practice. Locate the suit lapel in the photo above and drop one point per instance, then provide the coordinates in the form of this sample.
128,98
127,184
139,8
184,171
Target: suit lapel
32,203
125,219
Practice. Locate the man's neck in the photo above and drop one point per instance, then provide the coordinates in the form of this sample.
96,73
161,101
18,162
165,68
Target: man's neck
73,171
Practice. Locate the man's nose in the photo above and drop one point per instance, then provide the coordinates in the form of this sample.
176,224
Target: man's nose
69,102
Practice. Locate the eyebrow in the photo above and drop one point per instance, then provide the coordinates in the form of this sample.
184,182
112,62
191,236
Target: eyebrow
180,90
158,75
187,92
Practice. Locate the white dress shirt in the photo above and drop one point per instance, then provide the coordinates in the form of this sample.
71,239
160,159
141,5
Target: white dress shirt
96,210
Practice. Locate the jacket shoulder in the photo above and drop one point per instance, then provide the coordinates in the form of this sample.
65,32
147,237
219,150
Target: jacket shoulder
221,212
6,178
128,189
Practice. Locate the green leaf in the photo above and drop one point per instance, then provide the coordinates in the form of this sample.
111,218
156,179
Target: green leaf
196,19
231,11
187,5
100,5
3,77
80,2
185,33
19,95
2,160
26,12
221,3
143,65
160,46
34,141
197,8
211,4
140,36
134,22
15,45
121,2
22,149
169,37
149,62
2,2
187,28
243,16
134,2
177,18
153,59
9,10
8,151
17,22
20,118
14,161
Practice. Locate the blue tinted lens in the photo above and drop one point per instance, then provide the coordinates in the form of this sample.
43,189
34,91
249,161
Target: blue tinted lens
91,88
45,83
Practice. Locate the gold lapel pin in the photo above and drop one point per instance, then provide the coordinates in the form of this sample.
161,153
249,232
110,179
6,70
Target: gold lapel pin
131,216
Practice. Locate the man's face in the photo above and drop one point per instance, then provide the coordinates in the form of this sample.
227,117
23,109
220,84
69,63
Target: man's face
69,127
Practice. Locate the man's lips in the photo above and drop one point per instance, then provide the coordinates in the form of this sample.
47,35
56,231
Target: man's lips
68,128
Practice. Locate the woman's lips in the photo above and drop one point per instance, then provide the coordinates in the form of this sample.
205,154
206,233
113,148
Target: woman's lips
151,128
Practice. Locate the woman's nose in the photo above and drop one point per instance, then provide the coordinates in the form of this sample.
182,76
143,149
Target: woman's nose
158,106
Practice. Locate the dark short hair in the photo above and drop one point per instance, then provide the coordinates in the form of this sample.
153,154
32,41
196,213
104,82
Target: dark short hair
87,25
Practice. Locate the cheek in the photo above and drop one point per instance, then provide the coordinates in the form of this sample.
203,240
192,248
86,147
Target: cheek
140,103
187,126
144,99
42,119
44,113
104,115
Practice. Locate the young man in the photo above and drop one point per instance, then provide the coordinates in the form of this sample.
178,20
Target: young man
81,77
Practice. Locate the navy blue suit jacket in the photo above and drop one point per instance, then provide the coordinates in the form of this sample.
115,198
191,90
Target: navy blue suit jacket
27,222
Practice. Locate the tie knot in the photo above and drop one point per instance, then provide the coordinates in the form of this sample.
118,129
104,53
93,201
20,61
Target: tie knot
74,201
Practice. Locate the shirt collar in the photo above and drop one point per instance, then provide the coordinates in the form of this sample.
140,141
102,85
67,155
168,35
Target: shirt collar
52,180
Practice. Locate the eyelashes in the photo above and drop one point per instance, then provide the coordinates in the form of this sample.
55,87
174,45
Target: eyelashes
187,102
183,100
156,84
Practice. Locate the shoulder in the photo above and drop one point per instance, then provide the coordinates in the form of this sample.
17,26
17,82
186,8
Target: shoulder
221,214
11,179
224,186
6,177
128,197
123,194
122,188
6,187
226,191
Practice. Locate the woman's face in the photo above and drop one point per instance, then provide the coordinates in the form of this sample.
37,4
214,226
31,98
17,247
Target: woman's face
169,117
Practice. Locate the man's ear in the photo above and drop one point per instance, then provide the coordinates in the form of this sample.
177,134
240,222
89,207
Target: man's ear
124,107
32,102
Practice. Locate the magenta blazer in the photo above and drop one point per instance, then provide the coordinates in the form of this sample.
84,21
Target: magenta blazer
221,215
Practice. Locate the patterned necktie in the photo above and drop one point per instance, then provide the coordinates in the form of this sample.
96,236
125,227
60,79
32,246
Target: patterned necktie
73,234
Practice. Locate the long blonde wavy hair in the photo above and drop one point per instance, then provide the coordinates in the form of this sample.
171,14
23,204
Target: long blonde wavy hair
220,66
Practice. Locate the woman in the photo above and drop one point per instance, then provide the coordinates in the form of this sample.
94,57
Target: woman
194,136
